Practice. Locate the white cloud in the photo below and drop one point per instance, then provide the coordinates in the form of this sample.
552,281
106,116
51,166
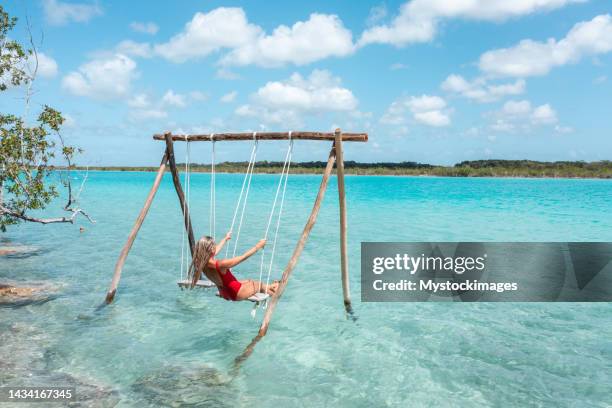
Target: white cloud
544,115
319,37
198,96
480,90
224,73
397,66
418,20
171,98
517,108
289,100
147,114
103,78
69,120
600,79
377,13
209,32
60,13
432,118
142,108
532,58
520,115
47,66
425,109
134,49
319,92
145,28
139,101
563,129
229,97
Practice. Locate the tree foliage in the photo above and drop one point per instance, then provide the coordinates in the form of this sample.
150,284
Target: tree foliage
28,151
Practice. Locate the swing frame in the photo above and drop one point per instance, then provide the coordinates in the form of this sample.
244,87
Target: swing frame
335,156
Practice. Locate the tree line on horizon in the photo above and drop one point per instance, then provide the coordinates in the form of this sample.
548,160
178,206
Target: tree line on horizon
471,168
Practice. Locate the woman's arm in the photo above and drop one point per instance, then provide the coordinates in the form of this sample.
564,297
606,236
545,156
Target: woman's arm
220,245
231,262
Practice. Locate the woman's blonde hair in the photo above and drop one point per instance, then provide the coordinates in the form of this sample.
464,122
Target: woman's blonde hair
204,250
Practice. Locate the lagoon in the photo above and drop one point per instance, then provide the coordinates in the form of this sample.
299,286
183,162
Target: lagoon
157,345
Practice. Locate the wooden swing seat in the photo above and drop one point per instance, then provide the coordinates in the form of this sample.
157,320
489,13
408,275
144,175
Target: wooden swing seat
202,283
206,284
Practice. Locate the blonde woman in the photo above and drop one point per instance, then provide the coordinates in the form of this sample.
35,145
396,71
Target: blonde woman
219,270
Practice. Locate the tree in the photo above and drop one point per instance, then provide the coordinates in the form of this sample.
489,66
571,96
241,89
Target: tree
27,152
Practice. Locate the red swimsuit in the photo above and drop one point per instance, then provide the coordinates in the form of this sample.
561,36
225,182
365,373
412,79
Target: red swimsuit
231,285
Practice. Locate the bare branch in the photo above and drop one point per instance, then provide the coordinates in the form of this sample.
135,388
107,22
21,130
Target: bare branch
25,217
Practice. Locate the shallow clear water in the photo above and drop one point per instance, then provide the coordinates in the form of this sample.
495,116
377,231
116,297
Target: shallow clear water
158,345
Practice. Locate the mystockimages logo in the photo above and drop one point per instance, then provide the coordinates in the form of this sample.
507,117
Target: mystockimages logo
476,271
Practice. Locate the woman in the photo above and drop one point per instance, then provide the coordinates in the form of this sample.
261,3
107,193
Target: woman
218,270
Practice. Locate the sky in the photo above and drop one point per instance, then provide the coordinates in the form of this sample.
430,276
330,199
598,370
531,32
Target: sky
430,81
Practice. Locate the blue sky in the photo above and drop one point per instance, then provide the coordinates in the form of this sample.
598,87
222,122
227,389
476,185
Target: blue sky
431,81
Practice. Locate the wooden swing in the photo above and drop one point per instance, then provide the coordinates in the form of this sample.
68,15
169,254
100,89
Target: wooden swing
335,155
185,281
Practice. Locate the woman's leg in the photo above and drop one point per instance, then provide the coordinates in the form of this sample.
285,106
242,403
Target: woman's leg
250,287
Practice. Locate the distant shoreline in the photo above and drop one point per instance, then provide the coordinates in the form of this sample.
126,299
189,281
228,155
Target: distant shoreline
479,168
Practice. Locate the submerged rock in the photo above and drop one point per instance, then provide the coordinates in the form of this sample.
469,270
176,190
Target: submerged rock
17,250
25,350
12,295
177,386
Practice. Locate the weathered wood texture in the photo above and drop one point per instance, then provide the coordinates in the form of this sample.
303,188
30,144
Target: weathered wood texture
346,292
179,191
110,295
321,136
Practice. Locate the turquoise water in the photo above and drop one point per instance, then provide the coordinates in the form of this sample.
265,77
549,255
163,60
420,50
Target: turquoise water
158,345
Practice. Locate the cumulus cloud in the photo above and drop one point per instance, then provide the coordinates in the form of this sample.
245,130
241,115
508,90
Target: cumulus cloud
134,49
47,66
60,13
145,28
229,97
522,116
206,33
532,58
147,114
321,36
172,98
289,100
377,13
139,101
418,20
425,109
544,115
198,96
480,90
102,78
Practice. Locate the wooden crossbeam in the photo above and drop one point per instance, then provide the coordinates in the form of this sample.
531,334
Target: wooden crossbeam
321,136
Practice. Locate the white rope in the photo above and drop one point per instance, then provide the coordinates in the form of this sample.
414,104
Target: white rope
280,183
280,213
187,188
213,199
246,196
244,181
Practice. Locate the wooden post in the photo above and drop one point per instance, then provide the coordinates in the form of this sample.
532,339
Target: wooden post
343,245
179,191
293,261
110,295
